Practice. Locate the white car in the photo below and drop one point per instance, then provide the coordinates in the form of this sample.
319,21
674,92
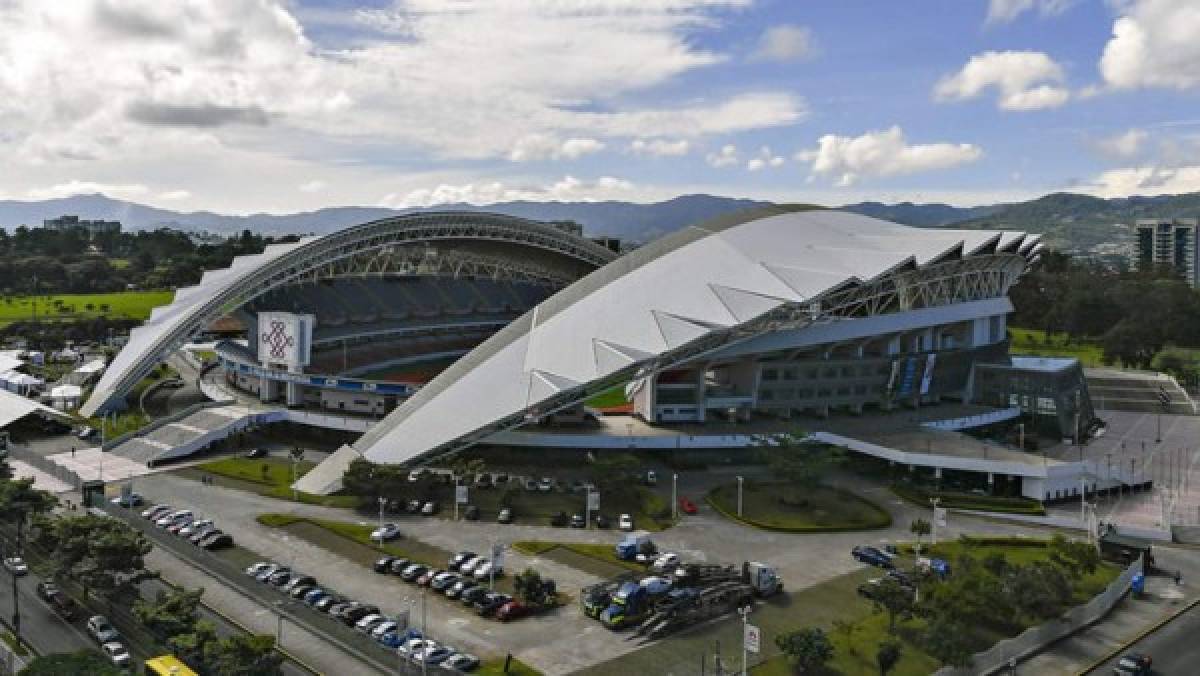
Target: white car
471,564
117,653
546,485
16,565
463,662
665,562
655,585
194,527
367,623
486,569
412,646
102,630
173,517
625,522
254,569
389,531
385,627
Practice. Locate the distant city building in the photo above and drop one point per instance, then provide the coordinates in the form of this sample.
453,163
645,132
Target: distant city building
1168,242
93,227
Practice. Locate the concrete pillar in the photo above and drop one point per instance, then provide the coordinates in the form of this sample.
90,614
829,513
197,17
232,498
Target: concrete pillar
266,388
855,409
937,473
823,411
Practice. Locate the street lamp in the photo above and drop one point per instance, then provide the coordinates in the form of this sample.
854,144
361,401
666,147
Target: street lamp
382,504
674,496
933,525
741,480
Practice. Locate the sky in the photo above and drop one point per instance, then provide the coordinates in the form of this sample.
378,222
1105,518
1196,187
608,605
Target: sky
243,106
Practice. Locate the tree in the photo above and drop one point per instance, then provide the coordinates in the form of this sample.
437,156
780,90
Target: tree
6,470
19,500
243,655
610,473
99,552
796,461
889,596
190,646
808,649
171,613
1075,558
846,630
920,527
533,589
949,641
65,664
887,657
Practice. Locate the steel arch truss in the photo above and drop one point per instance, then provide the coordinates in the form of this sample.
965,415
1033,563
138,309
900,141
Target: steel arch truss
325,253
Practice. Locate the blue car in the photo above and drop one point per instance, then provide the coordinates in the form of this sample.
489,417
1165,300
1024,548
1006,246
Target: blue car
315,595
395,639
872,556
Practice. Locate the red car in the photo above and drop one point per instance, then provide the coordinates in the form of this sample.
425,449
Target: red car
687,506
512,610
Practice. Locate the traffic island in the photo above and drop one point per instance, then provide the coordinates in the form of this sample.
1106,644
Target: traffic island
791,508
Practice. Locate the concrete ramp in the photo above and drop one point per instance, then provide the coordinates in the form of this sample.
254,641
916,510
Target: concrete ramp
326,477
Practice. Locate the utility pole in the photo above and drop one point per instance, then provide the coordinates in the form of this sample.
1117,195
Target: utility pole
382,503
933,522
740,480
674,496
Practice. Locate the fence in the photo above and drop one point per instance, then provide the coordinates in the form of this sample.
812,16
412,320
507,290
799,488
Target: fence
351,642
44,464
1036,638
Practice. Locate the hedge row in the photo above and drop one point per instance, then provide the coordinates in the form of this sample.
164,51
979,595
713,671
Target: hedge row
967,501
884,521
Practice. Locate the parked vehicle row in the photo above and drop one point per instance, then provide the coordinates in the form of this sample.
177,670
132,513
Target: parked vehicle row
60,602
184,523
465,579
390,632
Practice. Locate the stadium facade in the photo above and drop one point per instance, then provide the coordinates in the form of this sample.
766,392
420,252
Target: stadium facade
771,313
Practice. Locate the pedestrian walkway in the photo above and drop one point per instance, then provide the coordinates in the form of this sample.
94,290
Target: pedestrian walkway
41,480
1127,620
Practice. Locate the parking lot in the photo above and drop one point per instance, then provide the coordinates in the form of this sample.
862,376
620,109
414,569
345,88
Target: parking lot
564,640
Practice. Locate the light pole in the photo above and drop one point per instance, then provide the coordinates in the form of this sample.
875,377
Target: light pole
1021,436
744,611
933,523
741,480
16,616
674,496
382,504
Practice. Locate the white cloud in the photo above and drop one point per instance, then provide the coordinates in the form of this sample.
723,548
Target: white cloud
77,187
660,147
1145,181
1124,145
785,42
174,195
726,156
1004,11
765,159
542,147
882,153
420,82
315,185
1024,80
1154,44
568,188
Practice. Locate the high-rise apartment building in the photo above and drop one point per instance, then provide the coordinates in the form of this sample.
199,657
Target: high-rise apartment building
1171,242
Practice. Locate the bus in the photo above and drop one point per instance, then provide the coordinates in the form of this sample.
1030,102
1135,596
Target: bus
168,665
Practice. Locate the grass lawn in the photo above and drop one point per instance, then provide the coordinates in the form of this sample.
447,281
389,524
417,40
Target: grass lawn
359,533
788,507
515,668
599,560
536,507
610,399
920,497
271,477
70,306
1033,342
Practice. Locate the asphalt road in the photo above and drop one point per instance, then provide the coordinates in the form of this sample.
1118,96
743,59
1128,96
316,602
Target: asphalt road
1172,648
41,627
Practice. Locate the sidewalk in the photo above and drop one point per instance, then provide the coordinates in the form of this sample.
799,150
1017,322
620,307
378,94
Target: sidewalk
1127,620
308,647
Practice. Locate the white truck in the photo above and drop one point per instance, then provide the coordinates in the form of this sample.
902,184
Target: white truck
763,578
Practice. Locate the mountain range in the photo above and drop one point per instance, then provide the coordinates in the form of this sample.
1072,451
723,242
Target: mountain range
1070,222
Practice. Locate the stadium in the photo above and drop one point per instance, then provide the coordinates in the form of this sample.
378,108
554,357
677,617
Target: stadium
446,330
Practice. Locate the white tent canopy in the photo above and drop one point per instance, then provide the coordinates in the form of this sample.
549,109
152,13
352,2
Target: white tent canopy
13,407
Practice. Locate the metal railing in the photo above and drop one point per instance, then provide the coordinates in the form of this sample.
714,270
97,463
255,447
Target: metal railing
166,420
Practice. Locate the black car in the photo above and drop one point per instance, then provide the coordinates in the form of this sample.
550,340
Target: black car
217,541
490,603
203,534
1133,664
462,586
384,565
602,521
559,519
872,555
280,579
414,571
398,565
458,559
505,515
299,591
472,513
470,596
256,453
352,616
577,521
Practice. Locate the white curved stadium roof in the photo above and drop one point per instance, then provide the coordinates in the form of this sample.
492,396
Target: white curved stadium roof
671,294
